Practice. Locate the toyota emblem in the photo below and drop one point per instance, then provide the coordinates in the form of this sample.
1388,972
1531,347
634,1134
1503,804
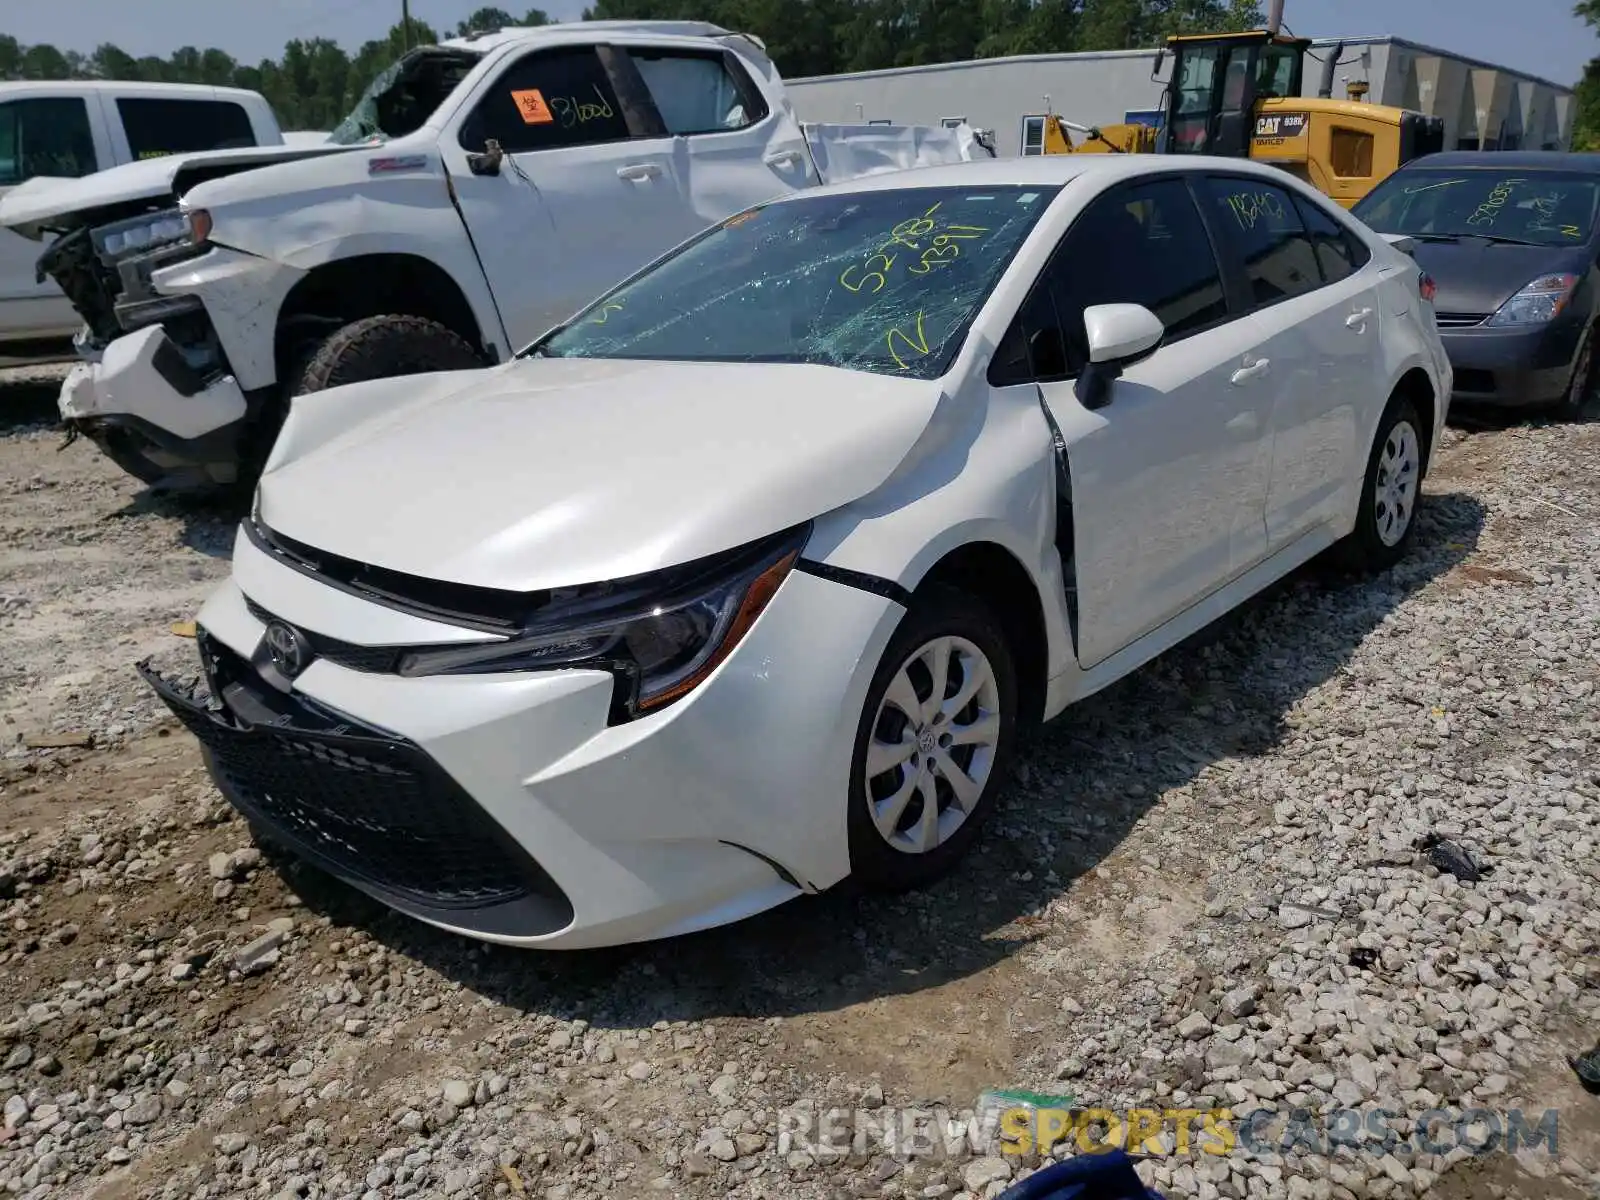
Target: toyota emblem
290,651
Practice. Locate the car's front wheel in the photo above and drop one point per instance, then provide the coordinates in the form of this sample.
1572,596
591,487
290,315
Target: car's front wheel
933,744
1581,384
1390,490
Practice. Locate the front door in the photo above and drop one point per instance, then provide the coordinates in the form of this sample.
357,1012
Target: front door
49,136
586,194
1169,479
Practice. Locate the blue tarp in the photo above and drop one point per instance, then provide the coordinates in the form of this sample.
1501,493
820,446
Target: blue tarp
1108,1176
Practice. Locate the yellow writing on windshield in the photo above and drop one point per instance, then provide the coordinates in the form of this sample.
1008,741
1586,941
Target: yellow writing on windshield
1428,187
930,244
916,345
1486,212
606,310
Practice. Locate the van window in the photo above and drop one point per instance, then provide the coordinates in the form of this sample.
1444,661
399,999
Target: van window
158,126
49,135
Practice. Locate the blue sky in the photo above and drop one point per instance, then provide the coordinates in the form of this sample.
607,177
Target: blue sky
1537,36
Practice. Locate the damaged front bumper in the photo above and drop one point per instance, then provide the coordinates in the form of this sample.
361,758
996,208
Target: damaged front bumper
154,415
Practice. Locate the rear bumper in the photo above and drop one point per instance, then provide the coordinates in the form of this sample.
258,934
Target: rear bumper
153,414
1511,368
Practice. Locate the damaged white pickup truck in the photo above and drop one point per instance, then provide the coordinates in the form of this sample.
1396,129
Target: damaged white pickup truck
481,191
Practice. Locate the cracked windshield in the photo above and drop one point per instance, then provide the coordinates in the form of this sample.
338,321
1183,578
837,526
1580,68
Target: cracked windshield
876,281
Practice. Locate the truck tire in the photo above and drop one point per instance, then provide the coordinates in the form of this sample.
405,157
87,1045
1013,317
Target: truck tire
380,347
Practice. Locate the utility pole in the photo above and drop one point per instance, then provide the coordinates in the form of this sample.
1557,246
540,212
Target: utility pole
405,25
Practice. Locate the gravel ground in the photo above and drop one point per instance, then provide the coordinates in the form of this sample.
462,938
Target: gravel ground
1205,889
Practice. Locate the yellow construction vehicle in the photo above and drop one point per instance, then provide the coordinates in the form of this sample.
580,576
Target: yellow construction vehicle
1238,94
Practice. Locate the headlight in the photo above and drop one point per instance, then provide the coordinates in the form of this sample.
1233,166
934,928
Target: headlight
1537,304
138,235
662,633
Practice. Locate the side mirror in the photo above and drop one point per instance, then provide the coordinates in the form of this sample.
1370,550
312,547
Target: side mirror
1161,57
487,163
1118,335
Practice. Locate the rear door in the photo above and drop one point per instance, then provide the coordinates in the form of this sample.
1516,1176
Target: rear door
587,191
732,148
1319,336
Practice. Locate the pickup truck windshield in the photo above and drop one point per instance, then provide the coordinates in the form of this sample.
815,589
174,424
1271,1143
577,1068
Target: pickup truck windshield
1539,207
402,98
885,281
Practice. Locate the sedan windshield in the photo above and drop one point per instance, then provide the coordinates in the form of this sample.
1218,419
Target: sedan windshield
1538,207
884,281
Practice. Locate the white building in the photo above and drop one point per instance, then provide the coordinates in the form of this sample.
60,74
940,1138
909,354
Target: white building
1482,105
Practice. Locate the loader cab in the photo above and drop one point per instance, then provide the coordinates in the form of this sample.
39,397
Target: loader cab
1215,83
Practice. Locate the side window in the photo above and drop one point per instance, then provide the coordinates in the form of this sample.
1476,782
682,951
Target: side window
1144,244
1263,226
158,127
547,100
1034,348
1350,153
696,93
46,136
1339,253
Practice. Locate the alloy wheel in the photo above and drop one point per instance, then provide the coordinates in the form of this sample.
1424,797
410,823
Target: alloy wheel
933,744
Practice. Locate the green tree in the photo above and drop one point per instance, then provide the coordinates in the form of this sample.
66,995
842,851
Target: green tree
484,19
1586,97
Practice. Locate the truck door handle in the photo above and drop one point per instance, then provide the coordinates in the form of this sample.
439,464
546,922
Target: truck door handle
638,171
782,158
1253,371
1358,318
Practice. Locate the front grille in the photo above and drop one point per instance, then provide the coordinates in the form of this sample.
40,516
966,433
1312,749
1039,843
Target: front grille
375,660
1457,320
1472,379
361,802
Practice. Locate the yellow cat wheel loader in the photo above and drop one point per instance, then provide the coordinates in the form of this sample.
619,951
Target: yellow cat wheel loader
1238,94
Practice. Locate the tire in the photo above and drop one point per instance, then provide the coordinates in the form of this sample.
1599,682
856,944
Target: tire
1581,384
892,861
1387,519
379,347
382,347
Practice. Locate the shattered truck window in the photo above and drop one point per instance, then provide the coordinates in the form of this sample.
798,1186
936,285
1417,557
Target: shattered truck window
403,96
884,281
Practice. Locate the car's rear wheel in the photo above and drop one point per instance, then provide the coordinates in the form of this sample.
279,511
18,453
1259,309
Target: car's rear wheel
1581,385
933,744
1390,491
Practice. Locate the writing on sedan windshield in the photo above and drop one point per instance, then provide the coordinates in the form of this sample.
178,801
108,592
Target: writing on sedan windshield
1547,207
914,343
920,241
604,314
1486,212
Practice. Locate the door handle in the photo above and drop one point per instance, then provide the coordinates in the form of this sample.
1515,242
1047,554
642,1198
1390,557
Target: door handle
1253,371
1358,318
638,171
782,158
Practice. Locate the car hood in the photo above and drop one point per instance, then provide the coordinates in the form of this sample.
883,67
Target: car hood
555,472
1478,277
49,203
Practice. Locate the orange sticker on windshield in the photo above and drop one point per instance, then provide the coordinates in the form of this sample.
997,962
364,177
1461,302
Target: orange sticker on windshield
532,108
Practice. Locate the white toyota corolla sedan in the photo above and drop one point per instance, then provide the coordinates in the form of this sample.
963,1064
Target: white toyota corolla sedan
744,581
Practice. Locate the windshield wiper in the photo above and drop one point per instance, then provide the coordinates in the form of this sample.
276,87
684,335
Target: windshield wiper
541,349
1503,241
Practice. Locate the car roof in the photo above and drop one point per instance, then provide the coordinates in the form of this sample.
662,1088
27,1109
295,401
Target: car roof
492,39
1510,160
1051,170
130,87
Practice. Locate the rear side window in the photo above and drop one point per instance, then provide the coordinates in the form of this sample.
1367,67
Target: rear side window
1262,225
697,93
545,101
158,127
1339,253
45,136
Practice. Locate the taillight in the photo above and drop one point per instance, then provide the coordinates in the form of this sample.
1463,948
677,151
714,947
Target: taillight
1427,286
